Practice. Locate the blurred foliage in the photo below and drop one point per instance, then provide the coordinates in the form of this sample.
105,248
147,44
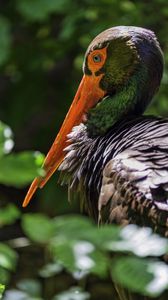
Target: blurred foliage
42,45
9,214
17,169
13,172
75,245
5,40
8,260
134,262
2,287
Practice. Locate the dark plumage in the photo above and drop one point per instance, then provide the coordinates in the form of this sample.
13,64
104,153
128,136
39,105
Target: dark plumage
122,177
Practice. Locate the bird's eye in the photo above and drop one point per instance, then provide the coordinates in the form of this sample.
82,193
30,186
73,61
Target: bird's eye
97,58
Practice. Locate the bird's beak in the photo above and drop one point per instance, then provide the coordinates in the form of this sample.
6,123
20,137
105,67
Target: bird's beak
88,94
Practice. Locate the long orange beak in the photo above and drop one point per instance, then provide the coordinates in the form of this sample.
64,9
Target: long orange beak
88,94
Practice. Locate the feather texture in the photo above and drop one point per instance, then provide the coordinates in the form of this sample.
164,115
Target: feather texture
122,176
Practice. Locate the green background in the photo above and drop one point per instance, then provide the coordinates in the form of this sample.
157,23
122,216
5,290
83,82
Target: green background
42,45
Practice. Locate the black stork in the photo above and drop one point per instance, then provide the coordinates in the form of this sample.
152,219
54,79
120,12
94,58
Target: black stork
114,158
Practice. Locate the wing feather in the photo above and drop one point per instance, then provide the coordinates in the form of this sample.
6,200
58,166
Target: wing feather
135,190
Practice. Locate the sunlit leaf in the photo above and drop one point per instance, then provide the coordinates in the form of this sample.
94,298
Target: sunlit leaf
140,241
38,227
2,288
81,228
63,253
9,214
8,257
14,294
74,293
74,226
30,286
79,256
20,169
105,234
145,276
6,139
50,269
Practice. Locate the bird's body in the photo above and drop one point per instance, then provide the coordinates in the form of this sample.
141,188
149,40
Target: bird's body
114,159
122,176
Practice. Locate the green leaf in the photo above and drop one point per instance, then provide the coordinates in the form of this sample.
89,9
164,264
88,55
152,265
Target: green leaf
38,227
6,139
30,286
5,40
74,293
79,256
4,275
50,269
2,288
20,169
73,225
8,257
101,263
81,228
62,253
15,294
144,276
9,214
103,235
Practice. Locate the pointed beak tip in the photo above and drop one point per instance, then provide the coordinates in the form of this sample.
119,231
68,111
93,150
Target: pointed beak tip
31,191
24,204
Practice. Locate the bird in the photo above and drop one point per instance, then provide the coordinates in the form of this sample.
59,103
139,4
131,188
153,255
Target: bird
114,158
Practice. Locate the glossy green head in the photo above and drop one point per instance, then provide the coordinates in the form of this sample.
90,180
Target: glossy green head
129,62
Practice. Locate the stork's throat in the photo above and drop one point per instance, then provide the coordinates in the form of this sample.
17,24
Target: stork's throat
108,111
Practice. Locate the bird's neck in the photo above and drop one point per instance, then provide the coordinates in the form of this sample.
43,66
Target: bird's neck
131,99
